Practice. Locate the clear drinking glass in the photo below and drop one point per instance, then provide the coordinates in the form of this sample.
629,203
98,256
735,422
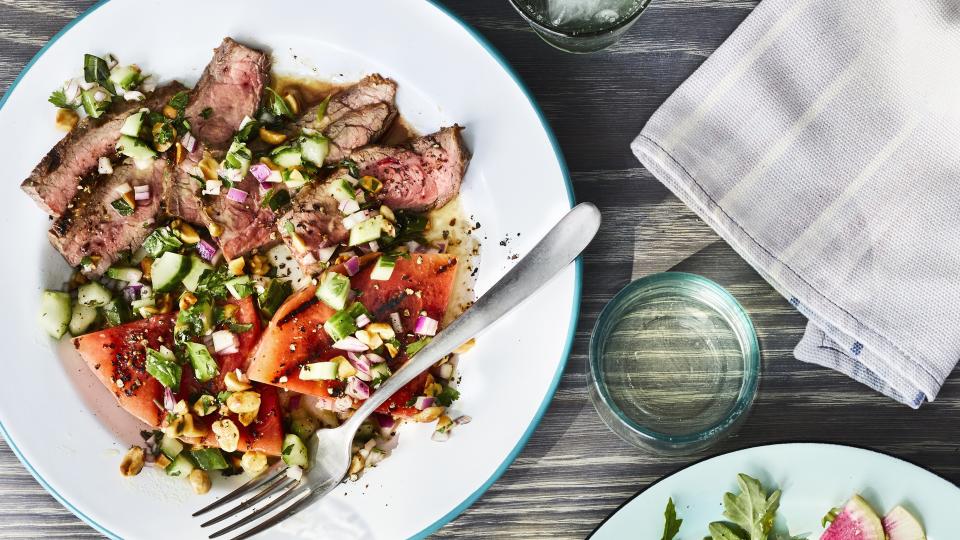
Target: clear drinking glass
674,363
580,26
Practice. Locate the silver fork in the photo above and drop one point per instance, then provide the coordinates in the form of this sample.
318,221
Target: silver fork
272,497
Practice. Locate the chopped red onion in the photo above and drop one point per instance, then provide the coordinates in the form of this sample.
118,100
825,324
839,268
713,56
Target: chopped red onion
384,420
426,326
212,187
374,358
169,402
294,473
225,342
361,363
132,292
349,206
141,195
389,443
237,195
104,166
350,343
343,404
445,371
206,250
260,171
413,246
374,246
352,265
423,402
357,388
461,420
362,320
308,258
396,323
188,141
442,247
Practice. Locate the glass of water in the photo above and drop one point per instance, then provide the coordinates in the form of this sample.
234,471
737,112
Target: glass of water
580,26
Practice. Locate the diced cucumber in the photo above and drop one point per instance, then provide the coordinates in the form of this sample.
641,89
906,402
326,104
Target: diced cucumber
140,306
209,459
294,179
93,294
131,126
197,268
170,447
240,287
294,452
368,231
169,270
303,424
124,273
181,466
383,269
319,371
125,77
286,156
315,149
273,295
204,366
343,323
379,373
82,318
117,312
334,289
136,149
55,312
91,106
342,190
238,157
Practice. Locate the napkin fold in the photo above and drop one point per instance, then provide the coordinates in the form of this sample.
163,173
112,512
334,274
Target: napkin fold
822,142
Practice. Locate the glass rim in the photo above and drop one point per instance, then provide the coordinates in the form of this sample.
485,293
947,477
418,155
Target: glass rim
748,385
550,29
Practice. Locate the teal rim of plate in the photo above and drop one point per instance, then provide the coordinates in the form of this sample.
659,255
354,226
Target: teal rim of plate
751,378
571,330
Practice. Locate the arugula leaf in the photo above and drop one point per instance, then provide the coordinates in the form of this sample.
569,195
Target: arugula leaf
671,524
752,510
59,99
447,396
95,69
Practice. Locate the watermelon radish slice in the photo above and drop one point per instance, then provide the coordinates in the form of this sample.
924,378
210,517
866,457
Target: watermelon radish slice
900,524
856,521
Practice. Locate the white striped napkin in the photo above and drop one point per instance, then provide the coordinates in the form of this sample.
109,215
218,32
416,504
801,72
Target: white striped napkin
822,141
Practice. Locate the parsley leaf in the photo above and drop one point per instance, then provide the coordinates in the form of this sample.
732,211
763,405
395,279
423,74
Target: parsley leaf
179,101
447,396
752,510
59,99
351,167
213,282
205,113
671,524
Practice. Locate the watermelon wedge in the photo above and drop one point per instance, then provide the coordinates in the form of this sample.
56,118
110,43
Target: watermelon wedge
856,521
295,335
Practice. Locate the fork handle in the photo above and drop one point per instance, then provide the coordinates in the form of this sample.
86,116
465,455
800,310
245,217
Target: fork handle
553,253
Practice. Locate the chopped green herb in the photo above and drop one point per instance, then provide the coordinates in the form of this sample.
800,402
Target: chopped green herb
122,207
163,366
243,135
275,199
222,397
204,366
447,396
59,99
276,104
239,328
205,113
209,459
179,101
273,296
213,282
95,69
671,525
351,167
288,227
322,107
160,241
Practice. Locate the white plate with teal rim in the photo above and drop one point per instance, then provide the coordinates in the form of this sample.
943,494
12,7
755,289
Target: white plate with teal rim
813,479
65,426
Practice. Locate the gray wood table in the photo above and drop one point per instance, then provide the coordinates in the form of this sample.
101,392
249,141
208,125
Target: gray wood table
573,471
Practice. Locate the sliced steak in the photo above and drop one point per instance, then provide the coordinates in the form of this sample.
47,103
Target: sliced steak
316,221
92,227
181,195
356,116
229,89
245,225
55,179
423,174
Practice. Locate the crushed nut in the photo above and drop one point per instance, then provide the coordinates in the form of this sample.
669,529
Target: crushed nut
253,462
271,137
215,229
146,265
244,402
200,481
236,266
259,265
428,415
228,435
205,404
169,112
467,345
236,381
67,119
187,299
132,462
356,464
383,330
292,103
185,231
